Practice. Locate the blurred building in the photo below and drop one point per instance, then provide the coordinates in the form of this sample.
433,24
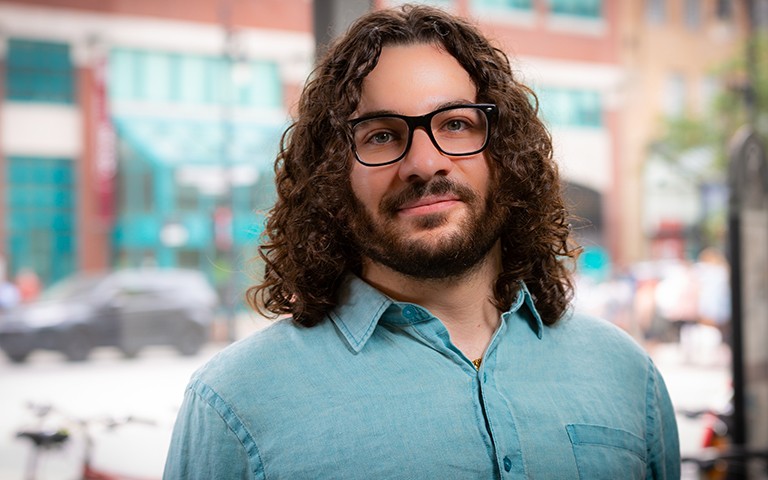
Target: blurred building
671,50
137,132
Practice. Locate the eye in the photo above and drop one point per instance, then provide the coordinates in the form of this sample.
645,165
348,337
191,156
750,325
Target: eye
380,138
458,121
380,132
456,125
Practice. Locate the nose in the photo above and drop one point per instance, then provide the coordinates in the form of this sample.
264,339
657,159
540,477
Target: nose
423,160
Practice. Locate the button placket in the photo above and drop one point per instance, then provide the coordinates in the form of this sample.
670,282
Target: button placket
500,421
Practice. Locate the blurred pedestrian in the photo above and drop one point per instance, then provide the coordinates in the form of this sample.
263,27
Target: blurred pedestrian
9,293
712,335
420,244
28,284
713,277
677,297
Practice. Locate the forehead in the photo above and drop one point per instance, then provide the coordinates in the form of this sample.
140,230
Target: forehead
413,80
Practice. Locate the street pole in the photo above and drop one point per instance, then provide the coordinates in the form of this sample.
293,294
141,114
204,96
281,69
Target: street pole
333,17
738,431
225,15
748,240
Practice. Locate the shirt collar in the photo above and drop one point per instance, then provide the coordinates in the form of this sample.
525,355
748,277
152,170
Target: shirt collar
531,314
361,306
358,311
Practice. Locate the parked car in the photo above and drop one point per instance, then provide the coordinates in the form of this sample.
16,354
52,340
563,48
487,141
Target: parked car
129,309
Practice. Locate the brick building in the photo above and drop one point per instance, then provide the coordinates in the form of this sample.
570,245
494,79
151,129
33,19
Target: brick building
137,131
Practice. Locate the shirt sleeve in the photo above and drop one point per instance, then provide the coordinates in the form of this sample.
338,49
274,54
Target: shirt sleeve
662,436
209,441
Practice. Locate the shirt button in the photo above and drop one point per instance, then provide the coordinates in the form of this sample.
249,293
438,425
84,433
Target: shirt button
507,464
409,312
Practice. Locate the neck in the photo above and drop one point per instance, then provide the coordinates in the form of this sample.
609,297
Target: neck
463,304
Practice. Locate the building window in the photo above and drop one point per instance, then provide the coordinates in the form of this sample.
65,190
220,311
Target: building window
724,9
39,72
570,107
186,258
503,5
578,8
136,191
708,90
187,198
161,77
41,197
674,94
693,13
655,11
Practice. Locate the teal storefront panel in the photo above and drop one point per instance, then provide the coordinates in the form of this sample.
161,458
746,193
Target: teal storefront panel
571,107
164,166
39,71
199,228
178,142
248,228
180,169
137,231
177,78
41,223
144,231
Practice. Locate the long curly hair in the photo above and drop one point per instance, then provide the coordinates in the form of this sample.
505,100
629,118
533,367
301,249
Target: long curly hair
308,251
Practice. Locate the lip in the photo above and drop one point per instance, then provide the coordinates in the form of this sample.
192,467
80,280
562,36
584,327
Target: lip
429,204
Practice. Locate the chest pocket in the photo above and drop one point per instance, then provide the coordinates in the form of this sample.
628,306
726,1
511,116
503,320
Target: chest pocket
607,453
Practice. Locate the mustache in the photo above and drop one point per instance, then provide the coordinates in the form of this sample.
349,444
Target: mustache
392,203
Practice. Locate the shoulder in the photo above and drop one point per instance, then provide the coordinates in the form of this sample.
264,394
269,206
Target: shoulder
269,356
588,326
596,336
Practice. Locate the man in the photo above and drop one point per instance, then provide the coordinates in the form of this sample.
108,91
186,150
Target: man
418,243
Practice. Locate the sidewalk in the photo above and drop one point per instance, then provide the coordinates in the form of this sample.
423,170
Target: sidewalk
696,380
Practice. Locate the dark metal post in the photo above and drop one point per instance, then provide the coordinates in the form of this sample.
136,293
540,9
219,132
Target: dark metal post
333,17
736,181
748,240
738,434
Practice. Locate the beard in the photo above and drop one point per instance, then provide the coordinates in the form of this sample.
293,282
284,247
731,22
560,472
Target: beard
453,255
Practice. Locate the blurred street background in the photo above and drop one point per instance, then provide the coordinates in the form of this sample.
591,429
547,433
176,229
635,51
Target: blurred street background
151,387
137,141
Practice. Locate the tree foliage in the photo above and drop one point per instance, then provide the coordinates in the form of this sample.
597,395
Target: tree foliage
696,145
737,103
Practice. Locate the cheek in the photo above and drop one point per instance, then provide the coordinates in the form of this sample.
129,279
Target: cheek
358,181
479,175
369,184
487,179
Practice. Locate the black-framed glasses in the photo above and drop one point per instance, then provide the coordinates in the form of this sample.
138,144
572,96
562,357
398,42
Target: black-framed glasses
456,130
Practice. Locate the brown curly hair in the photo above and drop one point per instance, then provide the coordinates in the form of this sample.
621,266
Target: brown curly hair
308,250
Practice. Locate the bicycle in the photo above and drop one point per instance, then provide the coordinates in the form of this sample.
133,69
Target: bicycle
719,458
45,438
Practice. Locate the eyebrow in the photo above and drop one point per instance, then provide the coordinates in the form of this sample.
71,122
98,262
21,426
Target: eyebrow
379,113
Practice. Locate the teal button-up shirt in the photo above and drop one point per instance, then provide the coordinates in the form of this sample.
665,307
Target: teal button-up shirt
380,392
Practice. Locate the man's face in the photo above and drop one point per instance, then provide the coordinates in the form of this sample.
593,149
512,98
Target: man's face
428,215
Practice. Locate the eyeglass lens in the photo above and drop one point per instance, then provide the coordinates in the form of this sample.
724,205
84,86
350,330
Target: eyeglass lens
456,131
